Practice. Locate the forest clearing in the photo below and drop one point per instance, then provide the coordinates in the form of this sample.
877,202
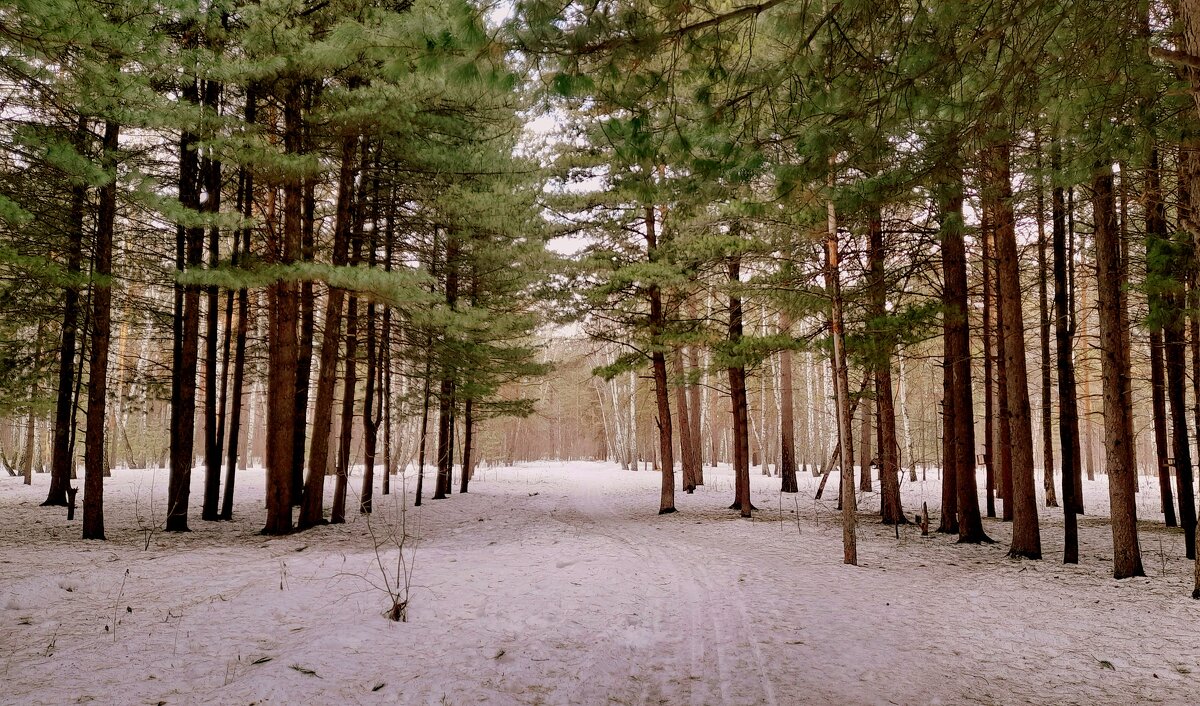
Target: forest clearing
793,351
550,584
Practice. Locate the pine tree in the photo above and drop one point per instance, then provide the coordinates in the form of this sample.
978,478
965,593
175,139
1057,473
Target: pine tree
1114,337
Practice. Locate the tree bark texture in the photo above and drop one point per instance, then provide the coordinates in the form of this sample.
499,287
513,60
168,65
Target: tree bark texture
93,489
1026,537
1114,340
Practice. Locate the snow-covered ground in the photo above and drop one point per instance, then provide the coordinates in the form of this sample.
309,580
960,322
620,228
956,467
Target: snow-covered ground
557,583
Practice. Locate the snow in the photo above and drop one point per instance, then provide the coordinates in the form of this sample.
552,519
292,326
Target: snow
556,583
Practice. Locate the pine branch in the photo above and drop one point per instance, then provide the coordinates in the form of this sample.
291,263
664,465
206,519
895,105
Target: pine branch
1179,58
715,21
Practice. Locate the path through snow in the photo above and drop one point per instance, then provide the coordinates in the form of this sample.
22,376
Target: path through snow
556,583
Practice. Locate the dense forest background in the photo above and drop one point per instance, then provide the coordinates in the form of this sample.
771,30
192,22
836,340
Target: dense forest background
326,238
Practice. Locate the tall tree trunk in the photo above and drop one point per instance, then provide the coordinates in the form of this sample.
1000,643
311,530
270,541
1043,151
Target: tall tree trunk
1127,559
658,361
93,489
1189,15
226,349
1074,294
386,349
304,354
1194,325
445,440
1158,404
211,170
787,411
1005,419
841,381
864,449
1193,295
425,395
31,418
227,346
950,213
282,308
370,414
1167,310
1174,347
988,265
890,508
468,442
337,513
1026,537
62,460
686,447
1127,365
1068,409
1044,330
635,454
312,511
1189,179
1157,273
958,359
189,244
370,393
446,398
246,209
427,377
239,377
695,405
385,373
737,395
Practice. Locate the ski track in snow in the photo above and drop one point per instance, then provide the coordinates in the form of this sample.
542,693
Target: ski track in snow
555,583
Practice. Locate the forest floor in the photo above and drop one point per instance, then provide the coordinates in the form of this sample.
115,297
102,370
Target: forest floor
555,583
